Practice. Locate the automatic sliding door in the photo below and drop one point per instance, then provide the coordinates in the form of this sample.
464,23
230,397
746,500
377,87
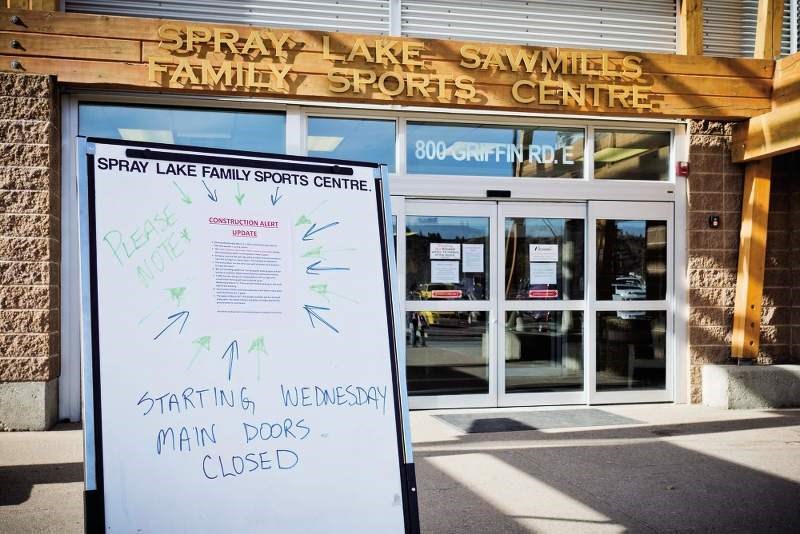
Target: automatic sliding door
449,314
631,296
541,303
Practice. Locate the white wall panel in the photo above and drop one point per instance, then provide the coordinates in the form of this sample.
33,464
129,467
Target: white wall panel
353,16
638,25
729,27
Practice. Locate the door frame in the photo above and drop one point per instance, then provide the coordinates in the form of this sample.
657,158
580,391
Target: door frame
495,306
630,211
444,208
554,210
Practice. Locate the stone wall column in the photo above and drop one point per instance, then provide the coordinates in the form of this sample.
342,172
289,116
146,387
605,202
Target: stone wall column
29,251
715,188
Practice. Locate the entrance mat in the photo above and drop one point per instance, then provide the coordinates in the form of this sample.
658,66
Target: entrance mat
476,423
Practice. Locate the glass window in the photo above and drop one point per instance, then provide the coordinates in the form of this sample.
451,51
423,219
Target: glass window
631,350
213,128
631,260
544,259
631,155
486,150
447,352
447,258
354,139
544,351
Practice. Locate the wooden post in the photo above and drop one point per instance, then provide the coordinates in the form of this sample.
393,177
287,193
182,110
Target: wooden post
691,28
752,253
769,25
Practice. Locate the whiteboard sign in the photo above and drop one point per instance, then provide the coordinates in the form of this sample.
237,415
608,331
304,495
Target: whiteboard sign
242,347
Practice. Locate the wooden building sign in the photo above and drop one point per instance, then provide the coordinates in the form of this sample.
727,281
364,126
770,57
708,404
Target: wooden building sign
137,53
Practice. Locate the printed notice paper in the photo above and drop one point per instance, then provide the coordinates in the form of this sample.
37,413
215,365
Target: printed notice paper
444,272
445,251
473,259
543,273
539,252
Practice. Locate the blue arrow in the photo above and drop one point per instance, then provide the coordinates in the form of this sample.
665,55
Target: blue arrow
314,315
175,317
276,197
313,230
212,196
312,269
232,352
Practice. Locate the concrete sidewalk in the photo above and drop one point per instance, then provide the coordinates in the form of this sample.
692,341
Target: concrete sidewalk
681,468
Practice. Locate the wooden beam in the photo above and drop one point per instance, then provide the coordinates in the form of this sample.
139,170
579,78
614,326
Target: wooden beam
691,28
752,254
775,132
786,81
70,47
769,25
36,5
767,135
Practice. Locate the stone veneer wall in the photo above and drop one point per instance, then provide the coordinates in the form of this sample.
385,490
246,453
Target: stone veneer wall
715,188
29,251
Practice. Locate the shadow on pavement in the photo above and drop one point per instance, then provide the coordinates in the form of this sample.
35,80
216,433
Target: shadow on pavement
593,486
16,481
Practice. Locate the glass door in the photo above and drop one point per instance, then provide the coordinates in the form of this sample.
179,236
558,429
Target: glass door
541,283
448,255
631,298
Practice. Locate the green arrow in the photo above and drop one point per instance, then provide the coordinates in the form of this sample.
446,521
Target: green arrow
184,197
203,344
176,294
302,220
323,291
313,253
239,195
258,347
317,252
305,218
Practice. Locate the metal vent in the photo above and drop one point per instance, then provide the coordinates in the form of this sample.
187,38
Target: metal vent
729,28
637,25
352,16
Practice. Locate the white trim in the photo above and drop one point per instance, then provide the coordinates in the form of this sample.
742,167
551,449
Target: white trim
639,211
460,209
395,24
295,131
257,102
69,383
681,268
535,210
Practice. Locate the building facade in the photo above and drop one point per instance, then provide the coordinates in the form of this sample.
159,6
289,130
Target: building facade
551,247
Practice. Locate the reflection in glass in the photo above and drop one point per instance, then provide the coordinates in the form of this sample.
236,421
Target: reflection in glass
631,260
354,139
544,259
631,350
447,258
447,353
491,150
213,128
631,155
544,351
